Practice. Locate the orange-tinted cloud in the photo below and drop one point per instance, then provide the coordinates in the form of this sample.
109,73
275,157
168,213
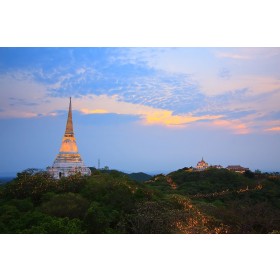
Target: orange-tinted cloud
95,111
276,128
148,114
236,126
164,117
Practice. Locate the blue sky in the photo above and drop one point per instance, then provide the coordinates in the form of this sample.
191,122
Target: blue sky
141,109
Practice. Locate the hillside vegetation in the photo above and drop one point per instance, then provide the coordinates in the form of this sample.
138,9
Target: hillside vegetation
211,201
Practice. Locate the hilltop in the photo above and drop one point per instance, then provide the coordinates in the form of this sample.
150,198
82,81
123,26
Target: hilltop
137,176
183,201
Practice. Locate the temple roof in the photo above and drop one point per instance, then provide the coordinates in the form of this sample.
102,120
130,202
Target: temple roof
202,161
69,125
69,144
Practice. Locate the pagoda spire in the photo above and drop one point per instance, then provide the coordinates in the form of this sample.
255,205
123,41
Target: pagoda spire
69,132
68,161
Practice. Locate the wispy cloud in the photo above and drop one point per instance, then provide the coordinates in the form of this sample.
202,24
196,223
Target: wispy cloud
273,126
236,126
149,115
247,53
171,87
213,85
35,93
233,56
168,118
224,73
274,129
95,111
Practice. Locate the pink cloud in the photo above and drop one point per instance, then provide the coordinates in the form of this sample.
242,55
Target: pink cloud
235,125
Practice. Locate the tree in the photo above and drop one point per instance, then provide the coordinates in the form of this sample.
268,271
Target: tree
54,225
249,174
97,219
30,183
69,205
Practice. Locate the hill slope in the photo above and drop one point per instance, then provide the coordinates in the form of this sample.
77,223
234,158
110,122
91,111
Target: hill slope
247,203
214,201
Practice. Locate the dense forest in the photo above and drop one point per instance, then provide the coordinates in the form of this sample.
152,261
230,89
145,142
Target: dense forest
184,201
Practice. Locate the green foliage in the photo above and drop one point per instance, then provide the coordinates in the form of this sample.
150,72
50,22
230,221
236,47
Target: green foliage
249,174
34,184
153,217
56,226
139,177
72,183
245,216
66,205
108,201
101,219
210,180
30,183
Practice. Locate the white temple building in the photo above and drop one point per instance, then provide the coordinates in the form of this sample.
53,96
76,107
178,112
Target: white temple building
201,165
68,161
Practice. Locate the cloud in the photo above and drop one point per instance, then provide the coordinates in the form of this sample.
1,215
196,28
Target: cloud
233,56
166,91
213,85
26,98
272,126
149,115
20,114
224,73
168,118
17,96
256,112
95,111
276,128
234,125
22,90
171,87
20,95
247,53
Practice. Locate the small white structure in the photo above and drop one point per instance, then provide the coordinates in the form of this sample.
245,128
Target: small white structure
68,161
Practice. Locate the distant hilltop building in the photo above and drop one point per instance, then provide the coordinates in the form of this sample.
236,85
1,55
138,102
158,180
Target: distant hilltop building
201,165
237,168
68,161
216,166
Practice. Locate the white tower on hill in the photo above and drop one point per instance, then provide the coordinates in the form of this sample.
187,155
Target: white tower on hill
68,161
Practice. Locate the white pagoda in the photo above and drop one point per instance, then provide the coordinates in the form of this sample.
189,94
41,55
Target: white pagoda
68,161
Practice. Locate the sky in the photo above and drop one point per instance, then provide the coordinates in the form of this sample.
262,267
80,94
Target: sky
141,109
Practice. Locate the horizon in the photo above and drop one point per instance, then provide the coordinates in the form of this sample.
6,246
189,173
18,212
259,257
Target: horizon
141,109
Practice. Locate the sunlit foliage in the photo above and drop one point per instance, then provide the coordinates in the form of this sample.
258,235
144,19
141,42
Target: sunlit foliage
212,201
